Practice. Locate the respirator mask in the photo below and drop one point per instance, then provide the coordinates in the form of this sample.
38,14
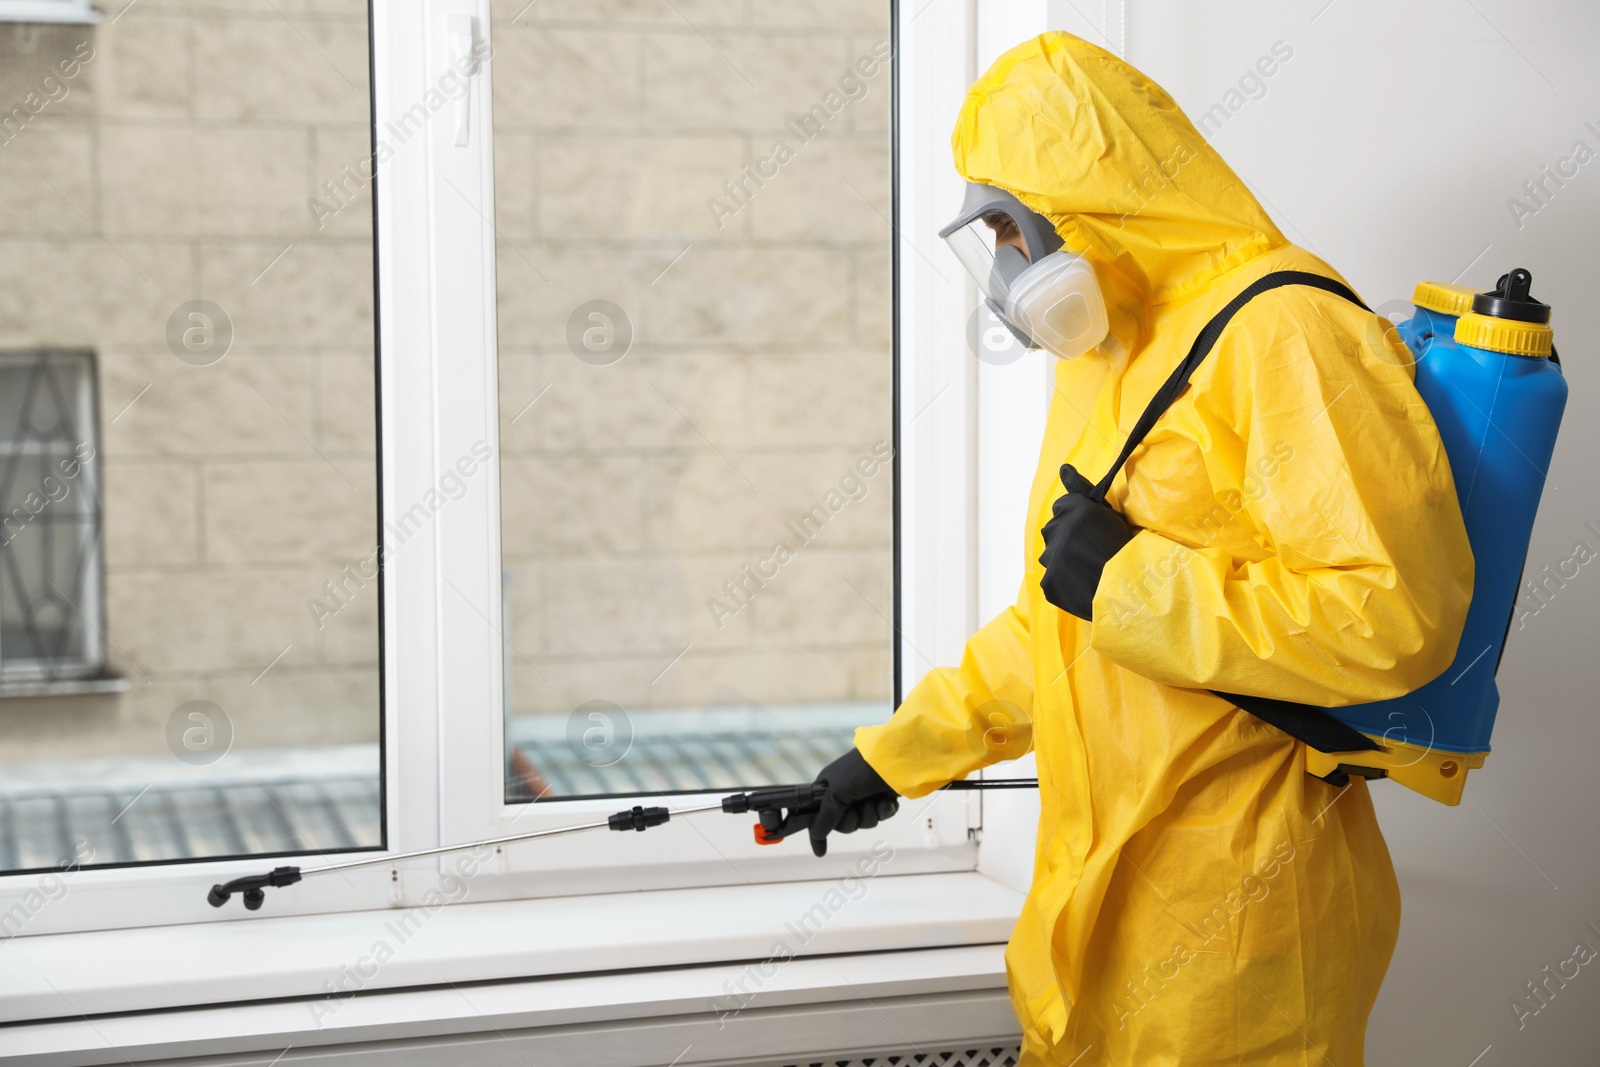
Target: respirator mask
1046,296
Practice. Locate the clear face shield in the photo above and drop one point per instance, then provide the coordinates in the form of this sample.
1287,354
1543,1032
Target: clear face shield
1047,297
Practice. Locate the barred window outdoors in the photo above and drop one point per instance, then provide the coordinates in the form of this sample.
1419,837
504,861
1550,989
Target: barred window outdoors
52,615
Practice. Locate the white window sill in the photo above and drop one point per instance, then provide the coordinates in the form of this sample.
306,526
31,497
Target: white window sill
61,687
830,1007
69,976
78,12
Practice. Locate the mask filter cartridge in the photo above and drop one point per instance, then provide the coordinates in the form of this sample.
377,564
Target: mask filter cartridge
1057,302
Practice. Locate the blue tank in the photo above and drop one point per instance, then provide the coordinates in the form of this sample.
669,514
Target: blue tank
1497,393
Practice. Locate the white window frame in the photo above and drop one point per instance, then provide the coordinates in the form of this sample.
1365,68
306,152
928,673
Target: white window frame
935,545
442,660
169,893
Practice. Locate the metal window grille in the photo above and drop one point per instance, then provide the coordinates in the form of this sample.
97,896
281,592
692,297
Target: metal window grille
676,763
51,584
962,1057
44,828
665,750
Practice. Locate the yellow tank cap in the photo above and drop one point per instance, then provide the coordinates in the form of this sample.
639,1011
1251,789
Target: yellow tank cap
1444,298
1504,335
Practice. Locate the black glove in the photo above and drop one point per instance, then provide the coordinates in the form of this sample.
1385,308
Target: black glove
857,799
1079,540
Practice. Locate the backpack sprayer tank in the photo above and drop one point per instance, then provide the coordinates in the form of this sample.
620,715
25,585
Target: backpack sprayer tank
1489,374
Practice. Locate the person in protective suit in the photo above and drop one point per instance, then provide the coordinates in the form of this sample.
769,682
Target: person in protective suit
1288,529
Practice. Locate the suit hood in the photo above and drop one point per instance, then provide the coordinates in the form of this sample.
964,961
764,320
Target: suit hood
1084,139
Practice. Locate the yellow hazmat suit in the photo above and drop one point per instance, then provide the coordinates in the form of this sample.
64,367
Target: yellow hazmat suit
1197,897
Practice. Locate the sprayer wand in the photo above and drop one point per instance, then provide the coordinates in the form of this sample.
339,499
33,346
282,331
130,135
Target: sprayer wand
781,810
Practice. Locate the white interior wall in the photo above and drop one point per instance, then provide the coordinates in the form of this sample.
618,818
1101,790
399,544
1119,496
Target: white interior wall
1390,143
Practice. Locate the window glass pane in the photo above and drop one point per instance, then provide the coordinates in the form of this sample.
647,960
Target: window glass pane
696,388
188,615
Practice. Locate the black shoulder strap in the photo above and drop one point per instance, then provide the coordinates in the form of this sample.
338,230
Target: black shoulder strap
1305,722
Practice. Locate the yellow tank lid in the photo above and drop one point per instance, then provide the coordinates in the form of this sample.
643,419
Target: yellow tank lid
1504,335
1444,298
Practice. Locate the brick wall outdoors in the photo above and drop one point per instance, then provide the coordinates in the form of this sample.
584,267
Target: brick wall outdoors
177,164
759,371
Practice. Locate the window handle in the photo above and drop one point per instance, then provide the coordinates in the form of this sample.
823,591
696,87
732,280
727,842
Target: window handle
462,34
